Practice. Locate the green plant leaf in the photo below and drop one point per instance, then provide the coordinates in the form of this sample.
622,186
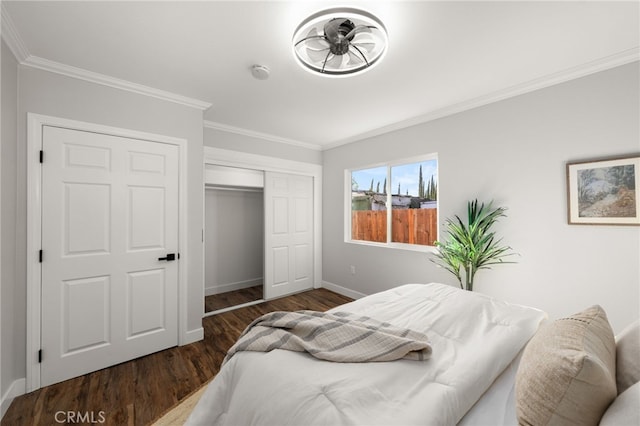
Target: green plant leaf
472,246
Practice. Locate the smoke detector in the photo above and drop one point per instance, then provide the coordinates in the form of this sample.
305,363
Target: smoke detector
260,72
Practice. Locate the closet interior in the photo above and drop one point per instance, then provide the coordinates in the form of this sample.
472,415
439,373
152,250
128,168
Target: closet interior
233,237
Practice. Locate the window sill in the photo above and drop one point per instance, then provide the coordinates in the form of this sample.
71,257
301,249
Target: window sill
395,246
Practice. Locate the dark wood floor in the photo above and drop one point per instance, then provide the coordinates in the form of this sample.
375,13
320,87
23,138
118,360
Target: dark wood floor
139,391
232,298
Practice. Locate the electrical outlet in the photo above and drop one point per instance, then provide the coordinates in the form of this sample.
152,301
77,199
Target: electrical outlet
353,270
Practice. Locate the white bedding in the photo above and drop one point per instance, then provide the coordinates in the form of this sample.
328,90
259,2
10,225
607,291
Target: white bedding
474,339
497,406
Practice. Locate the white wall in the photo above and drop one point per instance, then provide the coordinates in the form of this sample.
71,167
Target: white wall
233,141
513,152
234,239
13,320
55,95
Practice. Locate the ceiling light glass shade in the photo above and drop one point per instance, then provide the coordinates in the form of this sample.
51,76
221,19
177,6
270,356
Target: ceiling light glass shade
340,42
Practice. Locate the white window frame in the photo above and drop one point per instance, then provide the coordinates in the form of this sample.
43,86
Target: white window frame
388,165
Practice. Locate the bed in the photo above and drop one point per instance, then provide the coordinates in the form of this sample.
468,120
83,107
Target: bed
470,378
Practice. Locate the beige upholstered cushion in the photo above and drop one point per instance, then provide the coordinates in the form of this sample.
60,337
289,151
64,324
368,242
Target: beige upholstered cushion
628,357
625,409
567,372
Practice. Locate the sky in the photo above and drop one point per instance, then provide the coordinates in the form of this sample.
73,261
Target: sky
406,175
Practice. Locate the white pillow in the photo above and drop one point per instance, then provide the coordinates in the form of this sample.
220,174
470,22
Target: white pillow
624,410
628,357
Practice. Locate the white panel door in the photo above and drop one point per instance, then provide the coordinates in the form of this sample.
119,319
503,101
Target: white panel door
109,213
288,217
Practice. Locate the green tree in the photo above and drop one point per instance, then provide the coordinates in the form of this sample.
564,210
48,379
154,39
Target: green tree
432,194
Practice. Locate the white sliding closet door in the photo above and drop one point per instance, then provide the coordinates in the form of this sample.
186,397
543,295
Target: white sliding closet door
288,234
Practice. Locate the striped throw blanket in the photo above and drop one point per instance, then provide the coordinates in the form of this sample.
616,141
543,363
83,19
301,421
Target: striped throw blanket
338,337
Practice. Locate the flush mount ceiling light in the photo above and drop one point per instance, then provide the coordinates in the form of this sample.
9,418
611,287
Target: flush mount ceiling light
340,42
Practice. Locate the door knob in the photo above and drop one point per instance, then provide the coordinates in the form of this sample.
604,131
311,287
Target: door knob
169,257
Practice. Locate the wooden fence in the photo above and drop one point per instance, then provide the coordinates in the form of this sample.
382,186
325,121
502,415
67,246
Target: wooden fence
411,226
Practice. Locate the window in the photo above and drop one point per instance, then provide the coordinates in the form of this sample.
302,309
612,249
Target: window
408,189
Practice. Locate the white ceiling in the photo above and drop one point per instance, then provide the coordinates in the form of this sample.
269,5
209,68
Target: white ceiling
442,57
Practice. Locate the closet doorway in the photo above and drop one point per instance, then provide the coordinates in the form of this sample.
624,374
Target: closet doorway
233,238
287,235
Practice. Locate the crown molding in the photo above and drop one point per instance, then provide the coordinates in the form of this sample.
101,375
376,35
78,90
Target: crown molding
11,37
265,136
20,51
105,80
602,64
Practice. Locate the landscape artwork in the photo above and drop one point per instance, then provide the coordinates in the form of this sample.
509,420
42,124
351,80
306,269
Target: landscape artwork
604,192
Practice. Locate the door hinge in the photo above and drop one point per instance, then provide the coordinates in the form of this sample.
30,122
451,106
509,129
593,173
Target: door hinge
40,256
40,355
41,156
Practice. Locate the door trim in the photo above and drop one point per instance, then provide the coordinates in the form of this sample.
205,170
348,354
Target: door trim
225,157
35,122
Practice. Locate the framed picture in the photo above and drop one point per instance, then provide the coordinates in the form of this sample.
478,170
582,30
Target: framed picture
604,192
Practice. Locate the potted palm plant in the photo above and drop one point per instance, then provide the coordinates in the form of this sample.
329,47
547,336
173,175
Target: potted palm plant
473,246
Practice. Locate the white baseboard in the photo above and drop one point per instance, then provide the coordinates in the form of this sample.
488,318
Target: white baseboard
193,336
17,388
342,290
223,288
